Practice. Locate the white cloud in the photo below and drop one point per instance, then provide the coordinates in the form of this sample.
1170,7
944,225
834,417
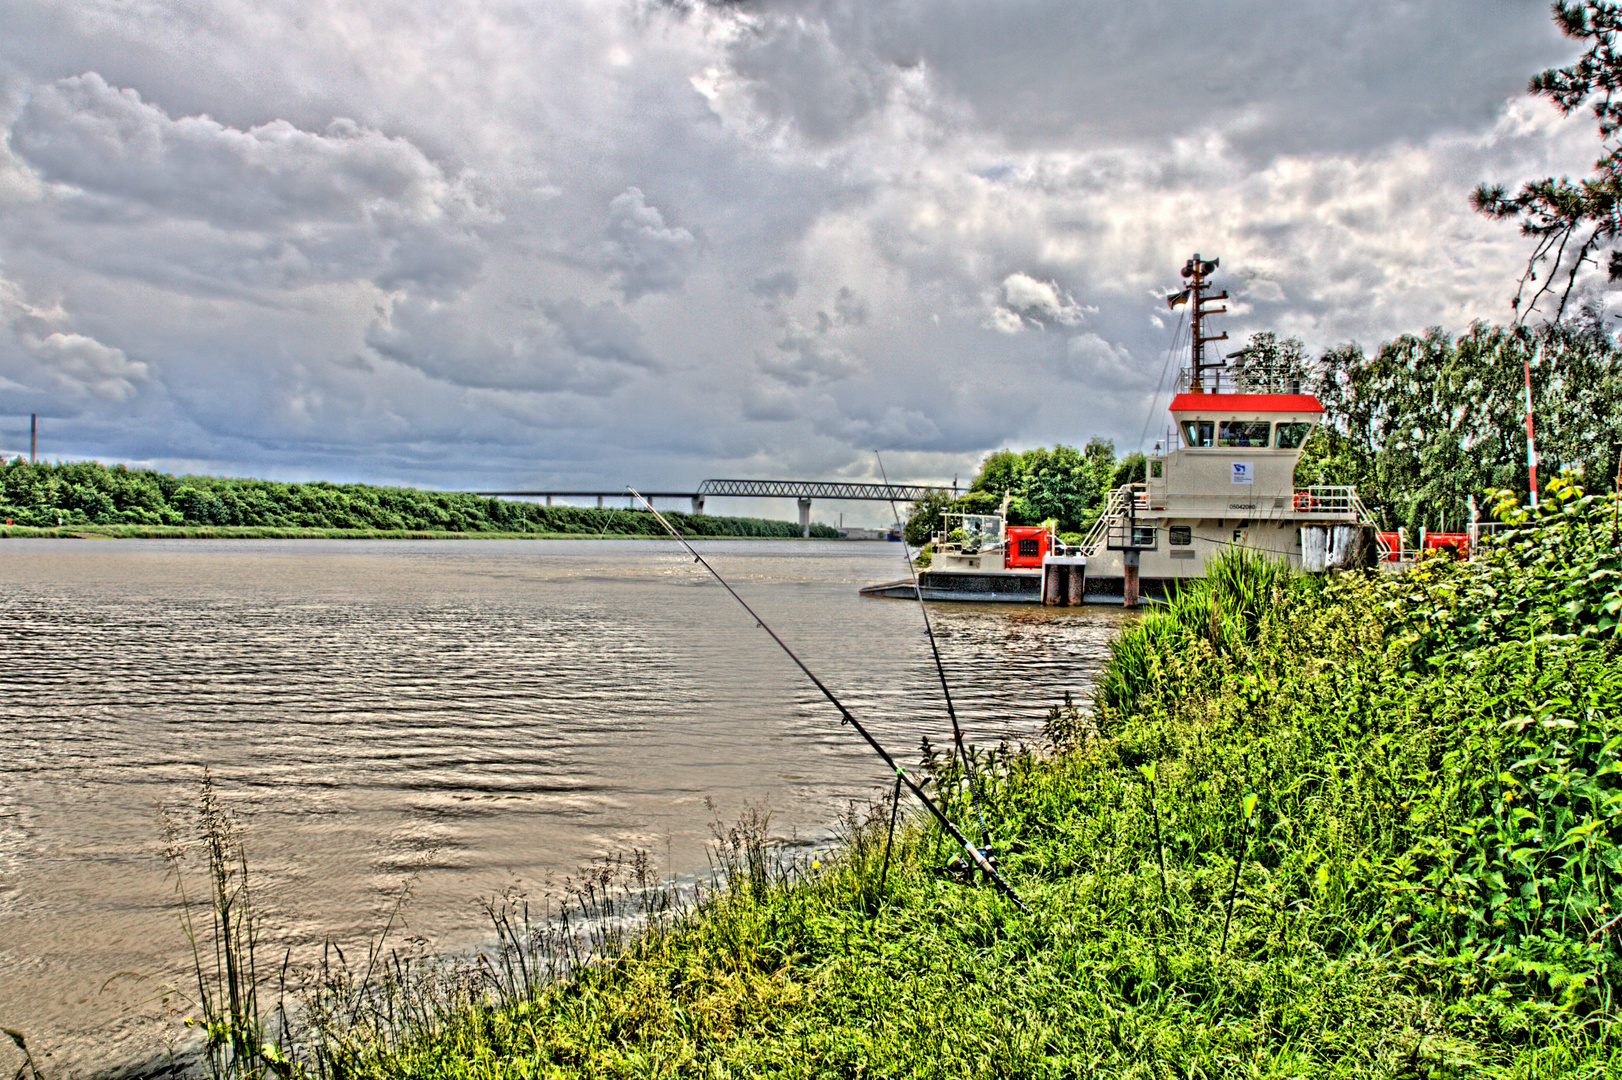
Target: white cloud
1091,360
271,205
84,133
40,354
644,254
595,240
1038,301
82,365
575,349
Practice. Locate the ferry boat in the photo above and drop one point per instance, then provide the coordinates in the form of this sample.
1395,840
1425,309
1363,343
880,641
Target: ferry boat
1224,477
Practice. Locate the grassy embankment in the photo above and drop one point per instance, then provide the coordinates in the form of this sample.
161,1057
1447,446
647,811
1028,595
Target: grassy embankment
1350,827
86,498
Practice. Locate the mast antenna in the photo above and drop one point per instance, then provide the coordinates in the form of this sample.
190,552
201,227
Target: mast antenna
1196,272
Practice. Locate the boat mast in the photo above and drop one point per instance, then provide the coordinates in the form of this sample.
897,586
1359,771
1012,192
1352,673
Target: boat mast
1197,271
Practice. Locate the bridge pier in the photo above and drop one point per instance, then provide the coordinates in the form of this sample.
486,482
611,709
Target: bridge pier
805,517
698,504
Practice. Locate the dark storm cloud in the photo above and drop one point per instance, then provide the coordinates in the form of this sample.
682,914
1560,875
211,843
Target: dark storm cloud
602,331
482,242
1291,78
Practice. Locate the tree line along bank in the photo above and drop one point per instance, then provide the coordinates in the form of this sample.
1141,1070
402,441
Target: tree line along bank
45,495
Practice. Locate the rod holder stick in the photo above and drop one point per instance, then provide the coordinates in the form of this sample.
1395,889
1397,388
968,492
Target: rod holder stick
895,807
976,856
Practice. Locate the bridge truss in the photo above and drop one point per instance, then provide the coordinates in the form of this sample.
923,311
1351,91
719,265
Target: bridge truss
816,489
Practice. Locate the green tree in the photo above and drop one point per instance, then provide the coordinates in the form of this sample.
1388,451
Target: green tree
925,517
1268,365
1100,456
1570,221
999,472
1058,485
1132,469
1430,421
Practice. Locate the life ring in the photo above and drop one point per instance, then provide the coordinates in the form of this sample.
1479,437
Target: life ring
1305,500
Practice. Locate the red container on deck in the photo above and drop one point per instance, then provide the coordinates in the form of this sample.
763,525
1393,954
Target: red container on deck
1025,545
1389,546
1457,543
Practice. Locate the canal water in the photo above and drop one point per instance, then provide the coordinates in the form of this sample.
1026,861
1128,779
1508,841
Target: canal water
466,716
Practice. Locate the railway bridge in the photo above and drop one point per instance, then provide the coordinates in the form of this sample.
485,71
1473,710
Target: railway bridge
802,491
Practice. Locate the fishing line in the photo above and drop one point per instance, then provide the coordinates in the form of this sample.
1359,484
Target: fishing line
607,523
929,629
975,855
1176,340
1247,547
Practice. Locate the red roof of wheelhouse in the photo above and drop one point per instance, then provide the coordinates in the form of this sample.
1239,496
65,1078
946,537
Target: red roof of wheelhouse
1290,403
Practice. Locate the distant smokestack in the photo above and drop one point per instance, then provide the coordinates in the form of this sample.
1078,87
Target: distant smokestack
33,436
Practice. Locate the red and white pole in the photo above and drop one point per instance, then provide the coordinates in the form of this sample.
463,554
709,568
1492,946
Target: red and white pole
1531,444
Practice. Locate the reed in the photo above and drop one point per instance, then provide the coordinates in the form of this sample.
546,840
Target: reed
241,1039
27,1069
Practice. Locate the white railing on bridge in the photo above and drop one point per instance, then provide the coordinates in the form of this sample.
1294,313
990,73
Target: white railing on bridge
817,489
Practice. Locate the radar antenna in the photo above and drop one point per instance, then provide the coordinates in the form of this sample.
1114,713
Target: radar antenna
1196,272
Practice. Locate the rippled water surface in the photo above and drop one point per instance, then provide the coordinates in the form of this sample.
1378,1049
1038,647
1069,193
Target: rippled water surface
471,715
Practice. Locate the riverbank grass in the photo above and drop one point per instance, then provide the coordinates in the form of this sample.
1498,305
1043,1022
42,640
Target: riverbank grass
1351,827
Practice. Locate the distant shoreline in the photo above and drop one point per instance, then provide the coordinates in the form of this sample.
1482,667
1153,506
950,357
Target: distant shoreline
74,499
255,532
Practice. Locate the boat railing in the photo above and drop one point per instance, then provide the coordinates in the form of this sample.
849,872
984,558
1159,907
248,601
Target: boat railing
1330,503
1123,498
1328,499
1224,380
1362,512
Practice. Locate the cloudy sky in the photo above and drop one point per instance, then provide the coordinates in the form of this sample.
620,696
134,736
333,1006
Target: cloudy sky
476,243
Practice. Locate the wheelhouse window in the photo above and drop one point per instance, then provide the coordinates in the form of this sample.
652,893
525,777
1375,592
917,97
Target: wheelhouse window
1181,535
974,531
1199,433
1156,469
1243,433
1291,435
986,525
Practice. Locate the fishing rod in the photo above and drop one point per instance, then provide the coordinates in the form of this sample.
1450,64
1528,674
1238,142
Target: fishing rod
976,856
940,669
